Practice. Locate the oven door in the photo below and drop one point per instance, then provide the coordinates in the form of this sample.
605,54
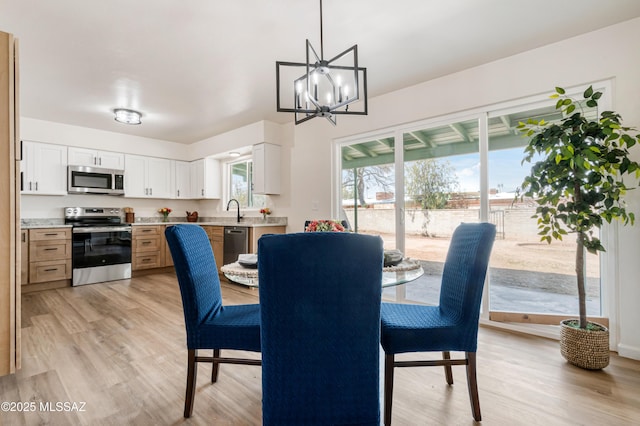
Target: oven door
101,253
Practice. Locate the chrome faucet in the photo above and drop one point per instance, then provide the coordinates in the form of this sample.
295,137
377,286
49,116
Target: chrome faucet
238,204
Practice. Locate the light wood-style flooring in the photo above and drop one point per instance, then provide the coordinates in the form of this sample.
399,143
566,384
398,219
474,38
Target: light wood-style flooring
120,349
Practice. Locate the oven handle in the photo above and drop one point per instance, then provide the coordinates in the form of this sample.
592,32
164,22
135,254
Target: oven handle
89,229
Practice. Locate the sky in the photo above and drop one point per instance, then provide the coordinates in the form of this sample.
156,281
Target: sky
505,171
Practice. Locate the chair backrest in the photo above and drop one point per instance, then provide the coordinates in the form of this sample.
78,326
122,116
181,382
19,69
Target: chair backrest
464,274
197,276
320,328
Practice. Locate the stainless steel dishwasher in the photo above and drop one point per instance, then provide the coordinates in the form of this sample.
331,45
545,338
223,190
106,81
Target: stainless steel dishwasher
236,241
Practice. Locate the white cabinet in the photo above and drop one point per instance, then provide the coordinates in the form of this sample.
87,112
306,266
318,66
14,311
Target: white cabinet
182,179
43,168
266,169
147,177
205,178
91,157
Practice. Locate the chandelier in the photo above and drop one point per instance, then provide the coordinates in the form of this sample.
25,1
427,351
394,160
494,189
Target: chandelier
321,87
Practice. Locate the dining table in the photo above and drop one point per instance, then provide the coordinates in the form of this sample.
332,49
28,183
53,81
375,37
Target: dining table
405,271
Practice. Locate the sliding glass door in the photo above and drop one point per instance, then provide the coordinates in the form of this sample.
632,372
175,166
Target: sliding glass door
416,183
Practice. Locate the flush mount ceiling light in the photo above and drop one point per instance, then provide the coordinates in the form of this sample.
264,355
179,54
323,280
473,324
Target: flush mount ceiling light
127,116
320,87
234,154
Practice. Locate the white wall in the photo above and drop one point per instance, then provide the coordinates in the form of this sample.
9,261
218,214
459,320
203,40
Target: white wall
613,52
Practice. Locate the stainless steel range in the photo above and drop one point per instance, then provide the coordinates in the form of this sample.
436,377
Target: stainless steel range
101,245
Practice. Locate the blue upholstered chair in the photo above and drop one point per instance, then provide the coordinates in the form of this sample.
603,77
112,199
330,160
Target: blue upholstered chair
320,308
210,325
451,326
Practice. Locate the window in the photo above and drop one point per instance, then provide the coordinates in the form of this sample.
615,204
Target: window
240,180
414,183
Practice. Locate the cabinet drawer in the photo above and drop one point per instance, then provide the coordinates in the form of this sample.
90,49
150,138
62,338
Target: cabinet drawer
49,250
140,231
146,244
49,234
147,261
52,270
215,233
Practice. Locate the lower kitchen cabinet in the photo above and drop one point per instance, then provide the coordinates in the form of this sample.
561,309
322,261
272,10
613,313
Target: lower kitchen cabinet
148,247
216,238
256,232
168,259
46,257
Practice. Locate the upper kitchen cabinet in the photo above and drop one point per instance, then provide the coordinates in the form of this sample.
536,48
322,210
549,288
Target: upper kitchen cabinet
93,158
266,169
147,177
182,179
43,168
205,178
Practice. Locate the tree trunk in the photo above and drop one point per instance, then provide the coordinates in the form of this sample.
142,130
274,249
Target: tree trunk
360,186
581,281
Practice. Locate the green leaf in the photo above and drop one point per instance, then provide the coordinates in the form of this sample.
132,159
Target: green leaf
591,103
571,108
558,158
560,90
588,92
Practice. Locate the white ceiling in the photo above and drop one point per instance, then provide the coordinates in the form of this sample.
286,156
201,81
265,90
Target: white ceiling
197,68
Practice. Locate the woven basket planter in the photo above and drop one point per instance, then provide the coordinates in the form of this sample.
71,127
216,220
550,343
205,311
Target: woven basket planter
587,349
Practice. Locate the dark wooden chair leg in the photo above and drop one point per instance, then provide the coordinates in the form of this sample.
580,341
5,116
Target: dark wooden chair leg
216,366
388,387
192,371
448,374
472,382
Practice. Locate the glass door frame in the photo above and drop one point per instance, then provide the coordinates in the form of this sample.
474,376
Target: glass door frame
609,233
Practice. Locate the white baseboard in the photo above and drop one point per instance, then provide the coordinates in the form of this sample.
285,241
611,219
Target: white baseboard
627,351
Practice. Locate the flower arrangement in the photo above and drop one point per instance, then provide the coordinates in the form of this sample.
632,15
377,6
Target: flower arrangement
265,211
324,225
165,213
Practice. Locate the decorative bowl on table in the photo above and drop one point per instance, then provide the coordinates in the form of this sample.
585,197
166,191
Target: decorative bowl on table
392,257
248,260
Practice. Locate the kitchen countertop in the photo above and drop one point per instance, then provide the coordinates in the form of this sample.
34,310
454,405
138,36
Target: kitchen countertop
249,222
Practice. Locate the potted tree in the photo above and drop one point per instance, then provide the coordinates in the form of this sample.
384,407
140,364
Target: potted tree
577,182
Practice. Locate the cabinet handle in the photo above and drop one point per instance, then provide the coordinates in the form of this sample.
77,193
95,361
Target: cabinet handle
24,237
100,161
51,248
146,230
51,234
146,260
144,243
51,269
178,192
202,192
30,187
150,191
36,186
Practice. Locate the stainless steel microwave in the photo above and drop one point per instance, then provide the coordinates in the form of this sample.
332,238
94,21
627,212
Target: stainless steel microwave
95,180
